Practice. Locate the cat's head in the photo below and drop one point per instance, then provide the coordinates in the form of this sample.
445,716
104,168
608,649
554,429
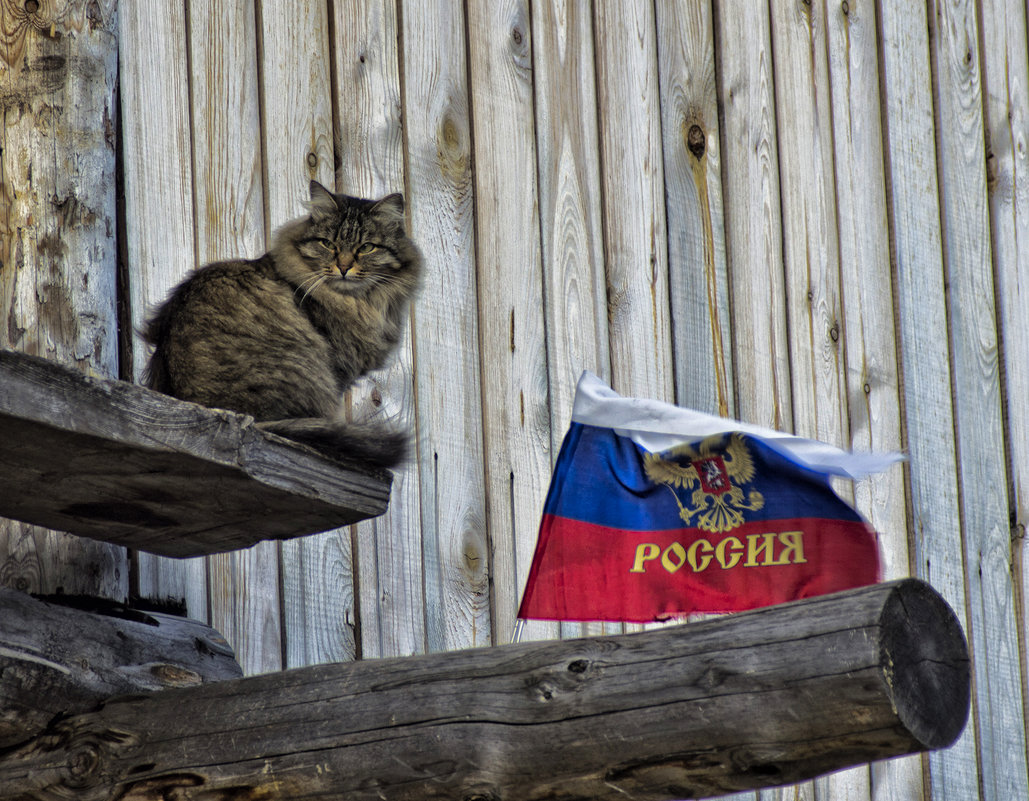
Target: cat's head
349,245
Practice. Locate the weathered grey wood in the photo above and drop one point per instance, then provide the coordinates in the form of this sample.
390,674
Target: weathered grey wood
65,654
758,699
917,256
123,464
697,278
979,428
632,172
753,219
1005,77
58,251
455,547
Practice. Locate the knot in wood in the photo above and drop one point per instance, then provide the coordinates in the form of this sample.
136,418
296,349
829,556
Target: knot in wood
696,141
82,763
31,6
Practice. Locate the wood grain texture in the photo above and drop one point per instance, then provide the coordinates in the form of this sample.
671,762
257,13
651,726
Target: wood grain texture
698,280
975,360
450,456
58,252
121,463
753,221
915,232
159,237
571,225
1005,79
230,223
756,699
63,655
869,338
635,246
370,163
810,238
513,348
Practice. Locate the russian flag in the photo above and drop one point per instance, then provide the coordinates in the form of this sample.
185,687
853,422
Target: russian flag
656,512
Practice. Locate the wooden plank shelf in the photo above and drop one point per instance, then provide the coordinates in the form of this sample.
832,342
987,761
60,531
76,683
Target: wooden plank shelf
121,463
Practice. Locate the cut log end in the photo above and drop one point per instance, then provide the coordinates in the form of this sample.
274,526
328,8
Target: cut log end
925,661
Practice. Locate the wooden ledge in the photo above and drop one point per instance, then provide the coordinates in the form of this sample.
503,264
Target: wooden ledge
121,463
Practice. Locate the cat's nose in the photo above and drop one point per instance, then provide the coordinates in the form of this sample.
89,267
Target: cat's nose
344,263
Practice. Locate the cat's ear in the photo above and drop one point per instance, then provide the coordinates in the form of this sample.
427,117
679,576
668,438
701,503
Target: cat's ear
390,207
322,203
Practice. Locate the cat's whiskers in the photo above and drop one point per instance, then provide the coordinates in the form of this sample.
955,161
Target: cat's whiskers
318,282
305,282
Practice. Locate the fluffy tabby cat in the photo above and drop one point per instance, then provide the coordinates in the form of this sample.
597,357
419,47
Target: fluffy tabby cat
282,336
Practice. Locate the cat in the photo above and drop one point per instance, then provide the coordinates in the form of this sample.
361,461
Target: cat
281,337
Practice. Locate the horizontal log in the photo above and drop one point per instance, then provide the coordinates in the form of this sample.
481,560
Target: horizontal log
66,656
762,698
118,462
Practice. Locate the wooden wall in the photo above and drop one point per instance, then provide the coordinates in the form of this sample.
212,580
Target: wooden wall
811,215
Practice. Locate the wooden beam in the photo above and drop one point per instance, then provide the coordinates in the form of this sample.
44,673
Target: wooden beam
767,697
121,463
66,654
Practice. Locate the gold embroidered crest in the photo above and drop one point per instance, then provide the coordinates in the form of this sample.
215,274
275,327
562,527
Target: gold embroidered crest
714,471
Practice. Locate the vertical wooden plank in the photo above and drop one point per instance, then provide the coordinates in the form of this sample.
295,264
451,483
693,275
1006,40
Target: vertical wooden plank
568,166
635,238
296,101
914,218
975,361
455,547
516,410
158,183
872,380
370,159
575,294
244,585
810,239
58,252
697,275
1005,67
753,222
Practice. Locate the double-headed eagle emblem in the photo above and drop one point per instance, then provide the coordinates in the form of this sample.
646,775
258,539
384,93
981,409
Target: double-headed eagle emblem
714,471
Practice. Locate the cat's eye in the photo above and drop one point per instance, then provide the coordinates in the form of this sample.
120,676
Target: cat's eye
366,248
328,244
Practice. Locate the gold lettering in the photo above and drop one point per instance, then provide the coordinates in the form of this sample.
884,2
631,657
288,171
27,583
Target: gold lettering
645,551
794,542
754,550
679,552
705,557
730,560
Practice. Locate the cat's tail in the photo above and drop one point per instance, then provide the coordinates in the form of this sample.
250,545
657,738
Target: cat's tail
366,442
